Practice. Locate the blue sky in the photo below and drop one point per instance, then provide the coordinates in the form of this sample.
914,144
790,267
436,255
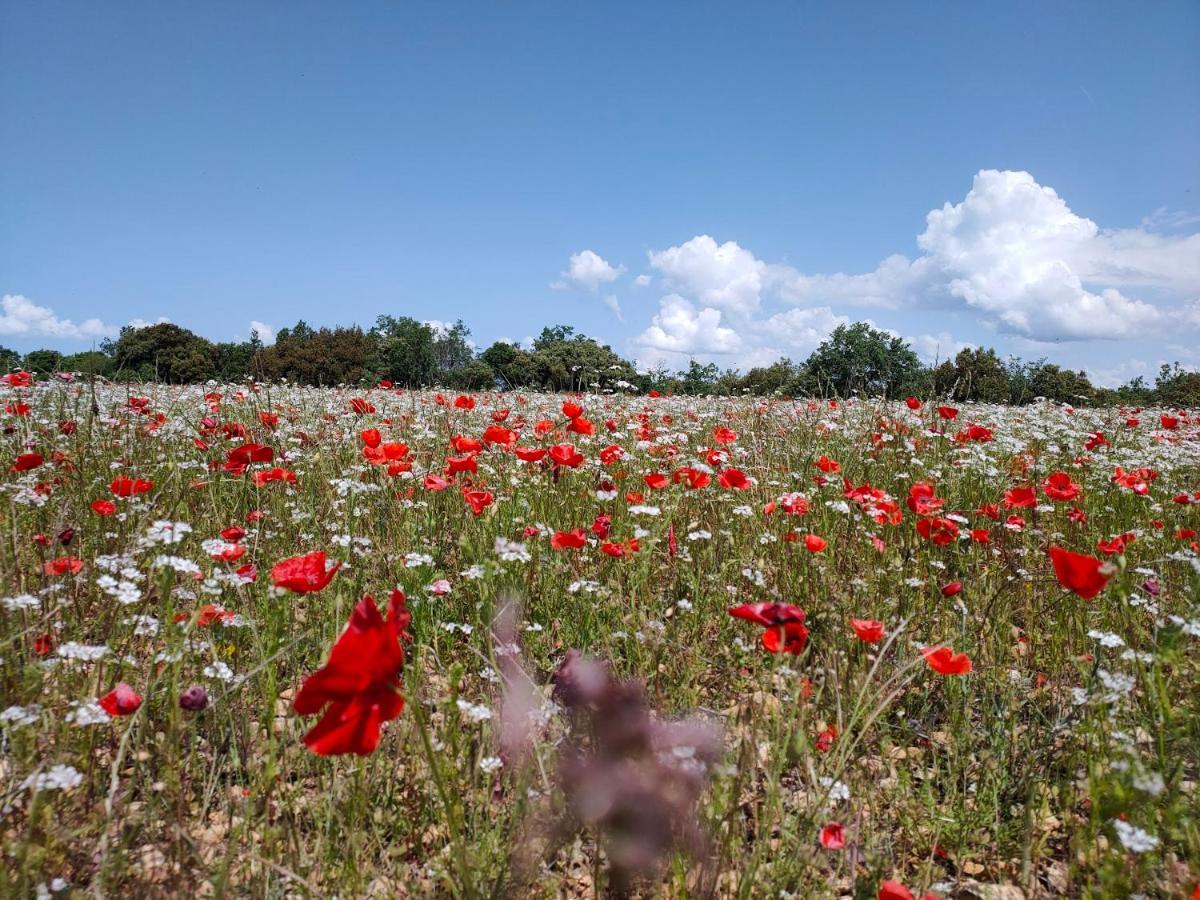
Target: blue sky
735,179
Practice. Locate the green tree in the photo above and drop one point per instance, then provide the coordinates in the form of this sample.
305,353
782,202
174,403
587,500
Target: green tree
566,361
404,351
779,377
163,352
233,360
9,359
1054,383
328,356
511,364
476,375
451,350
44,362
698,380
89,362
1175,386
976,374
860,358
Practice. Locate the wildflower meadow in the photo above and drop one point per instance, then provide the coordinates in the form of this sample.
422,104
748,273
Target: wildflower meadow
265,640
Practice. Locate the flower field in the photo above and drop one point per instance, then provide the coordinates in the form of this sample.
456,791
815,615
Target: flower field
275,641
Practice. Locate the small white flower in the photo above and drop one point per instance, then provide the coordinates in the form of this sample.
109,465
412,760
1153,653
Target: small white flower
490,764
474,712
88,712
58,778
81,652
219,671
21,601
510,551
1133,838
1107,639
837,790
21,715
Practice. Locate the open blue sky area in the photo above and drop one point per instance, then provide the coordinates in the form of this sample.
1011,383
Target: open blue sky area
724,182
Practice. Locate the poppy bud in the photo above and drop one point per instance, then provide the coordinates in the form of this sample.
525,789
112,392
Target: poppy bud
194,698
952,589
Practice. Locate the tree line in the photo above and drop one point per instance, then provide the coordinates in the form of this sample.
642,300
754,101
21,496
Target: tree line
854,359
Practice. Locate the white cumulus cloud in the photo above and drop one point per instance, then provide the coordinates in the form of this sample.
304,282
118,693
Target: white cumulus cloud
21,317
725,276
588,270
265,332
1015,254
682,329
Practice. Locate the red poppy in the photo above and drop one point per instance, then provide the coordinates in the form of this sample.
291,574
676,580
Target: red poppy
103,507
304,574
940,531
912,402
456,464
723,435
1138,481
1169,422
1059,486
566,455
27,461
695,477
656,480
435,482
1021,497
815,543
233,533
568,540
945,661
783,623
619,550
580,425
463,444
359,687
530,454
825,739
894,890
922,499
230,553
827,465
947,412
1080,574
953,589
124,486
833,836
121,701
571,409
735,479
612,454
867,630
498,434
1116,544
361,406
266,476
210,614
478,500
246,454
979,433
63,565
371,437
462,401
